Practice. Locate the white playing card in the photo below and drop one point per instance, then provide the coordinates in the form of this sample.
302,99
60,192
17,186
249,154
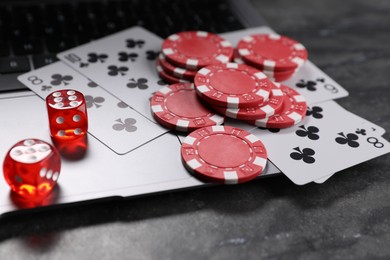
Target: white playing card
110,120
124,64
328,140
369,127
309,80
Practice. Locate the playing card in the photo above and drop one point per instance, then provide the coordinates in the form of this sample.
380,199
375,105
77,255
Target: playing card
110,120
124,64
309,80
328,140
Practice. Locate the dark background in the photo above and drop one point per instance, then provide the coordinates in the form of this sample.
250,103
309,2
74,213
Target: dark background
348,217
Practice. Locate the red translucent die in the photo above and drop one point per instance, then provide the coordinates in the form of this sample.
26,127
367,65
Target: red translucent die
67,114
32,167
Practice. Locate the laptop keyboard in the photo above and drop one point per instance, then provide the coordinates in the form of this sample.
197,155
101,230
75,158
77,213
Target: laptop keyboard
31,34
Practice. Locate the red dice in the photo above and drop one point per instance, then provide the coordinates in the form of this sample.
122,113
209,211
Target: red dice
67,114
32,167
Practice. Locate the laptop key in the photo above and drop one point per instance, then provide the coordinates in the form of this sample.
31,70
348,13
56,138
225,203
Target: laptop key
43,60
4,49
14,65
28,46
60,44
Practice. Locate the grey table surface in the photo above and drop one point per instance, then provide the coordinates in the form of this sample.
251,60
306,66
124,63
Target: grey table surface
348,217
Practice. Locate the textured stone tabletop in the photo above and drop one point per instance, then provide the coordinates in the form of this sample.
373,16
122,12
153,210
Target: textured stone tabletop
347,217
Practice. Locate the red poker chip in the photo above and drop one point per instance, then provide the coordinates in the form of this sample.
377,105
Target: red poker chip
278,77
292,112
232,85
174,70
223,154
178,107
196,49
169,78
272,52
271,107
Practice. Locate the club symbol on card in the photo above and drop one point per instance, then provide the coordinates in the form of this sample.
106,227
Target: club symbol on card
124,56
309,85
152,55
139,83
131,43
315,112
94,57
361,131
115,70
310,132
122,104
58,79
162,82
46,88
349,139
92,84
306,155
128,124
91,101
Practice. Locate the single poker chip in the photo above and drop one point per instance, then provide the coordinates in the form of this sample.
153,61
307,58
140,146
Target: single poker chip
232,85
176,71
272,52
196,49
292,112
178,107
169,78
223,154
271,107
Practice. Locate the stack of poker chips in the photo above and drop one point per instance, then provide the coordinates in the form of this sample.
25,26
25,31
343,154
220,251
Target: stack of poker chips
277,56
183,54
206,87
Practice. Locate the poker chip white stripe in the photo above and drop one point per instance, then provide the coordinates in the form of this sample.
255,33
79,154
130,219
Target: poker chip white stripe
243,52
204,71
217,119
165,90
173,37
203,89
226,44
299,46
157,109
191,63
223,58
268,110
299,98
274,36
260,162
168,52
218,128
189,140
263,93
194,164
269,64
277,92
179,71
233,102
231,177
296,117
252,138
202,34
182,125
260,75
232,65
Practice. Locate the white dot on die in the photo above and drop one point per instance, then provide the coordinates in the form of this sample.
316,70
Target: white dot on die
58,99
59,104
16,152
55,176
57,94
61,133
74,103
77,131
49,174
71,98
76,118
32,159
30,150
29,142
70,92
44,148
59,120
42,172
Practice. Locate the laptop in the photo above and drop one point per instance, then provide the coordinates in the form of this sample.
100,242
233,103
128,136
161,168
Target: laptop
32,32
